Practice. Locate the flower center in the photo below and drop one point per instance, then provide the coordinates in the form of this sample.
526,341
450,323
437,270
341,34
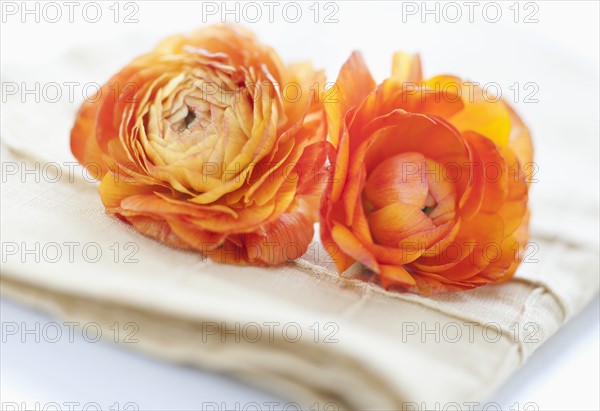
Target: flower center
400,178
189,118
201,120
430,204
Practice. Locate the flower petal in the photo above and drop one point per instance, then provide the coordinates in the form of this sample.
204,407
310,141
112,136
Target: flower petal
353,84
396,221
395,275
406,67
285,239
350,245
400,178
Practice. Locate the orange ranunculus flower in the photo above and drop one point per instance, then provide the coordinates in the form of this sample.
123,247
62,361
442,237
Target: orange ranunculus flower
429,189
209,142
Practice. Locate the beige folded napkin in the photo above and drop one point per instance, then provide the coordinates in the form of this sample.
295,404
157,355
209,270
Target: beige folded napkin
299,330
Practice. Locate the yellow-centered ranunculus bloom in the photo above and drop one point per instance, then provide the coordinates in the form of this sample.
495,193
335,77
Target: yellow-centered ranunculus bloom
430,188
210,142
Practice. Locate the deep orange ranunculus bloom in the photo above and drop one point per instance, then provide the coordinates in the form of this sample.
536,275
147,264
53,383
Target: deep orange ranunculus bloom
209,142
430,188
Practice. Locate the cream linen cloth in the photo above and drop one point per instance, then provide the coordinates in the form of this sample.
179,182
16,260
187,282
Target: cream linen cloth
375,349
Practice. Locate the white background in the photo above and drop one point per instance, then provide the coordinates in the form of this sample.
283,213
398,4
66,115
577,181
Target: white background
559,52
